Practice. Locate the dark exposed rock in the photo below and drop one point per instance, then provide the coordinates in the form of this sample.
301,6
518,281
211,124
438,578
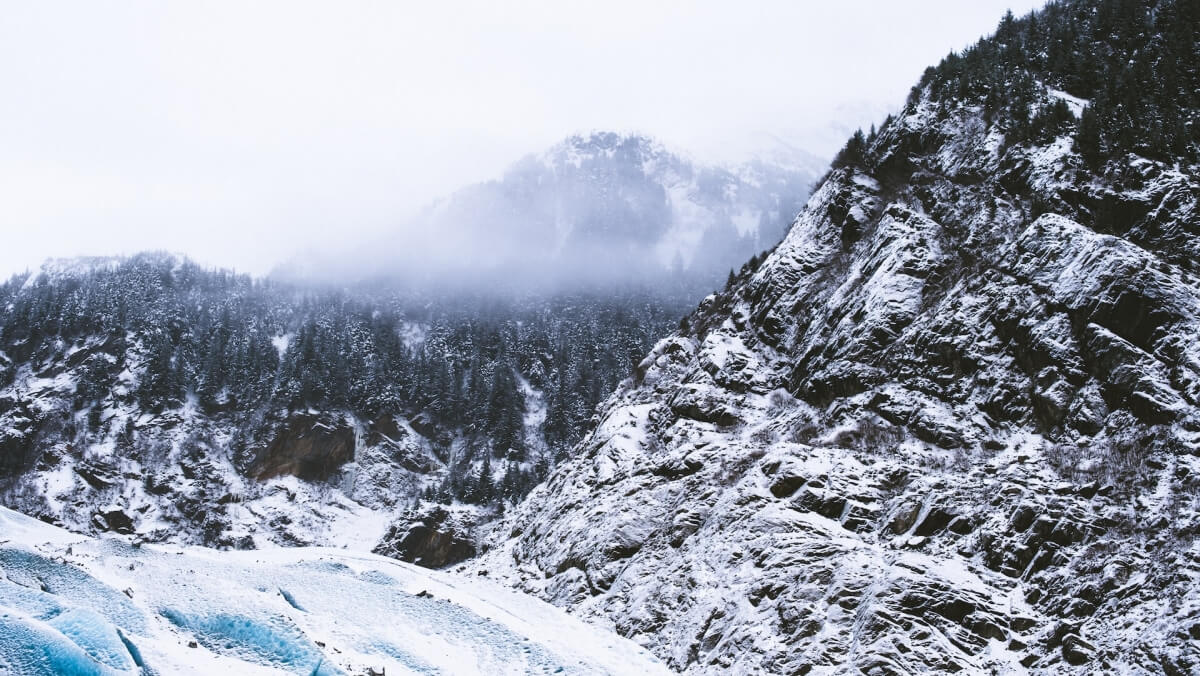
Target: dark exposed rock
97,475
307,446
1077,651
115,520
785,486
934,521
677,468
432,540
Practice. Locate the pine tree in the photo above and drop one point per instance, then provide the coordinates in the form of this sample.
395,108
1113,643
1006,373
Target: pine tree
854,153
1088,138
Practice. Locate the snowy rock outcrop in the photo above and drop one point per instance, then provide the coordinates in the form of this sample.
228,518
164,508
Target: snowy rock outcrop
950,423
433,536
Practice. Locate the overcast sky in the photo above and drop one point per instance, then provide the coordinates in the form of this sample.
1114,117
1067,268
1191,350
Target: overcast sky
241,132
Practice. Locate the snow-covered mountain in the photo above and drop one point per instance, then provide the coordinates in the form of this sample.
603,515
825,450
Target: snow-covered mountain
596,208
952,422
72,605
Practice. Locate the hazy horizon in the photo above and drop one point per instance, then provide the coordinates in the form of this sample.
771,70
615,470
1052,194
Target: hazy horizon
241,135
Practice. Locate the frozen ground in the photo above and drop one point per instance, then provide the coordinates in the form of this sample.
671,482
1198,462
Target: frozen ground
75,605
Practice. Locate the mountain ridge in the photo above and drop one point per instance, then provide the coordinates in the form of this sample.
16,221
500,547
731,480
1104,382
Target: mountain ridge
594,209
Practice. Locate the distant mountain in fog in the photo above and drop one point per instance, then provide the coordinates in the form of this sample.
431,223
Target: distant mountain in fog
592,209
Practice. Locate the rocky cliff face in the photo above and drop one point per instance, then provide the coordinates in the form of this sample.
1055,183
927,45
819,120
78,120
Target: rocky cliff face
950,423
307,447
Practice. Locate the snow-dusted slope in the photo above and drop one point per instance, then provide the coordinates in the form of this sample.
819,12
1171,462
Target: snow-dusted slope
150,396
74,605
182,484
952,423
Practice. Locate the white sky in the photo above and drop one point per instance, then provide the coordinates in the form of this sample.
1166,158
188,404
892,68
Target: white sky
241,132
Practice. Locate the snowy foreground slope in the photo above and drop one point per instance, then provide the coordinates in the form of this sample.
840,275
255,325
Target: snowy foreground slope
75,605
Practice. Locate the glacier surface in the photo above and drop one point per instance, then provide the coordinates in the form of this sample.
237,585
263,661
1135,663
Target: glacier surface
70,604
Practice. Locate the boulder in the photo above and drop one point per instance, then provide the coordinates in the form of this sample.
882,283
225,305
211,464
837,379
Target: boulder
433,539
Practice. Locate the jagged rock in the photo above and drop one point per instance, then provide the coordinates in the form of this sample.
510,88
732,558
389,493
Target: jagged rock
904,517
97,475
1077,651
986,408
935,520
114,520
389,432
434,539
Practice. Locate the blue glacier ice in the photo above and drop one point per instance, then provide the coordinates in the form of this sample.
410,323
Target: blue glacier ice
95,635
264,639
77,606
30,647
68,584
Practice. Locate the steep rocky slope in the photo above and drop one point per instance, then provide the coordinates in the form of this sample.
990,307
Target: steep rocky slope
950,423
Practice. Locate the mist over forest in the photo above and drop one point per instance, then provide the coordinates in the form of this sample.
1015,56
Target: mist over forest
593,211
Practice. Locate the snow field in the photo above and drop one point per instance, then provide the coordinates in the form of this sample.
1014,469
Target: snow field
74,605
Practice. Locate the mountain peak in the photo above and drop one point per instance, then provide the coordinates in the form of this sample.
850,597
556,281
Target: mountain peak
598,209
609,148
